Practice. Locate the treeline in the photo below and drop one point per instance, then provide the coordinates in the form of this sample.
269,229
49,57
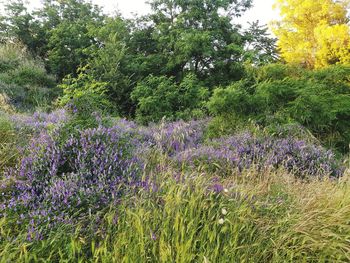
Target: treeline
178,41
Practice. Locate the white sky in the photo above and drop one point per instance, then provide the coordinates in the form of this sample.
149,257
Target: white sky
261,11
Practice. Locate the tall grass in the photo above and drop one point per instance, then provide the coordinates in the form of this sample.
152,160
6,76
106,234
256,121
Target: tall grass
8,141
197,217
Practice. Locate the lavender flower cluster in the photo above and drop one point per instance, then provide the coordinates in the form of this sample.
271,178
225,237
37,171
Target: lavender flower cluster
178,136
245,151
40,121
80,177
63,181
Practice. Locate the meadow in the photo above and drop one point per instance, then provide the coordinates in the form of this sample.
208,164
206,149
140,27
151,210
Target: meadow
178,136
128,193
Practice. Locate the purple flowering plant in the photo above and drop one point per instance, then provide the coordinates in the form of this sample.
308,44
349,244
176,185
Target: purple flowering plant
62,182
65,180
178,136
40,121
244,151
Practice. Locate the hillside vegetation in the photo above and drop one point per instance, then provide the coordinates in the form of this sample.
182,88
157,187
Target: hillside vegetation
177,136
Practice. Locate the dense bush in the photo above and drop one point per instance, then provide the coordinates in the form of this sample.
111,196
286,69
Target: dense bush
86,100
318,100
158,97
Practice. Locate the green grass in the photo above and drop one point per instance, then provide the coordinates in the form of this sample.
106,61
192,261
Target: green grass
259,217
8,141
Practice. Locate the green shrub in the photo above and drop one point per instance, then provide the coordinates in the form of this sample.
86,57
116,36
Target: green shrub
233,100
318,100
278,72
31,74
158,97
86,100
83,94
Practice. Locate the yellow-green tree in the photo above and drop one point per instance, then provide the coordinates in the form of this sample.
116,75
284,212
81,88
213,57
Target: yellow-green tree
314,33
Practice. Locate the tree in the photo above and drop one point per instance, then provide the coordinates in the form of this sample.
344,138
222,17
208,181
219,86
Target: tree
21,25
69,37
178,38
199,37
260,48
108,63
313,33
58,32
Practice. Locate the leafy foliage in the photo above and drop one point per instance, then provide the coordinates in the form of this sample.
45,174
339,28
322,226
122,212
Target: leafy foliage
319,100
186,37
175,40
260,48
159,97
84,94
314,34
108,61
86,100
58,31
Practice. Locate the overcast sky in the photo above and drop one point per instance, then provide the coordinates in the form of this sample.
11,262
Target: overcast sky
262,9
